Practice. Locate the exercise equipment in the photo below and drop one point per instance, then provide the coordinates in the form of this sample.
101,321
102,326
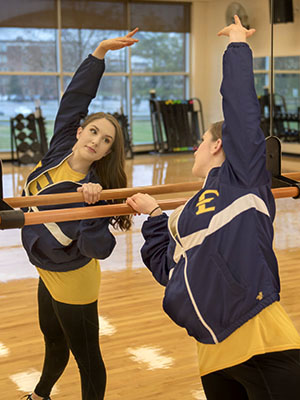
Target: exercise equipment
28,139
127,136
177,125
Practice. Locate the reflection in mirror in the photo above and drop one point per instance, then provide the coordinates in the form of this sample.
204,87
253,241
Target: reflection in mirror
208,49
286,74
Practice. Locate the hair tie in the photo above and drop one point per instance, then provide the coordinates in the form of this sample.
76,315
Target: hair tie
154,209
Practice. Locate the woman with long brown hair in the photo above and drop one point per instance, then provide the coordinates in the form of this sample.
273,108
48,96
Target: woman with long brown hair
88,157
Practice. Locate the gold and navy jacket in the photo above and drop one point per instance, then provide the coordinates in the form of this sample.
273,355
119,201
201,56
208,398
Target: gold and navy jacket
215,255
69,245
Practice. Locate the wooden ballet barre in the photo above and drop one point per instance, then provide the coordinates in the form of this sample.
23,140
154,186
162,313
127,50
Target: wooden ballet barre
79,213
123,193
10,219
293,175
290,191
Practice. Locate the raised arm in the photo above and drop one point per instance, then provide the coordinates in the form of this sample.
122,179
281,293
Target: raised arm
243,140
82,89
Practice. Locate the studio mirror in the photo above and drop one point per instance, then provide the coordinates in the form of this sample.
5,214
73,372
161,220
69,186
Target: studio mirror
280,40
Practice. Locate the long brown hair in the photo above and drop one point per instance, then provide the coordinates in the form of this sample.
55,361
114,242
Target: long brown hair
110,169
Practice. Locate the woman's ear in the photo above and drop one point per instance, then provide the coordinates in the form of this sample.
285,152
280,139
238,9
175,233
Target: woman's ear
79,130
217,146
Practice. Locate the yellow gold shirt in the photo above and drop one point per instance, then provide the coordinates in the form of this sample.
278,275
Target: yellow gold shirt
80,286
270,330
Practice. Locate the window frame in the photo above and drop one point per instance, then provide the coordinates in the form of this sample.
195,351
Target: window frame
129,74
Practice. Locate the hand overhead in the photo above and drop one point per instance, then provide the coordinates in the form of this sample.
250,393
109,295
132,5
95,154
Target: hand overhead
236,32
115,44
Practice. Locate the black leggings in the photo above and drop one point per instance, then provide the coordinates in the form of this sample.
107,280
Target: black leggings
270,376
70,327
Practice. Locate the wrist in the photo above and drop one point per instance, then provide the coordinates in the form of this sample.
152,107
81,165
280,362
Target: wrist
155,212
99,52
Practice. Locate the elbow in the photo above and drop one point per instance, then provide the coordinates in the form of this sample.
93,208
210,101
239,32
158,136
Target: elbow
97,250
106,250
158,268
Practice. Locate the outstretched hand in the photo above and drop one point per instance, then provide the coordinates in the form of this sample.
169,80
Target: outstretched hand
236,32
115,44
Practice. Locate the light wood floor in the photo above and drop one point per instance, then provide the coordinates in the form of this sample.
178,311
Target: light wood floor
147,356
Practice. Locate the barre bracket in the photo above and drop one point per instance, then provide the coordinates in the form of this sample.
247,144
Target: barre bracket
9,218
273,162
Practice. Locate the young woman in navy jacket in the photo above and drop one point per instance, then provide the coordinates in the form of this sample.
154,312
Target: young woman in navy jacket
85,156
215,254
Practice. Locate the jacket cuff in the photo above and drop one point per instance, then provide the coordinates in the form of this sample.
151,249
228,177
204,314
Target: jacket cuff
157,217
238,44
96,59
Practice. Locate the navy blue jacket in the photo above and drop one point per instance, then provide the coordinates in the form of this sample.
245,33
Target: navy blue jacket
218,264
70,245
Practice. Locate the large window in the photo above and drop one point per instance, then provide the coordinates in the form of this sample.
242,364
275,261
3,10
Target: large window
158,64
286,100
26,49
28,68
261,76
166,87
286,80
42,45
77,43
